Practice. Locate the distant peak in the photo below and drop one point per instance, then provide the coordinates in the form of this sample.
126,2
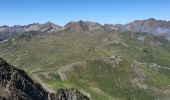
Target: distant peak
33,24
81,21
4,26
49,23
151,19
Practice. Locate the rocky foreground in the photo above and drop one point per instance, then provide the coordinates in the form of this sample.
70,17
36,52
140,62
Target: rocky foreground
15,84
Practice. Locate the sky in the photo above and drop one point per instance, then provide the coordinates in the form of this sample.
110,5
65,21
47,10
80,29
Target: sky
22,12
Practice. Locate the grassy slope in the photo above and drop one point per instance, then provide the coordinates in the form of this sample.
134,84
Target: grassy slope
48,52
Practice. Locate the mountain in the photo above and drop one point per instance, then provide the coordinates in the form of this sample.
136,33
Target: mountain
7,32
152,26
83,26
46,27
15,84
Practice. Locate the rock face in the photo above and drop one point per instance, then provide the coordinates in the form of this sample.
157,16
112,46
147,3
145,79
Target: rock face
70,94
15,84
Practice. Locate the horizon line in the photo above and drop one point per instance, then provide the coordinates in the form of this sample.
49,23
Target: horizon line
53,22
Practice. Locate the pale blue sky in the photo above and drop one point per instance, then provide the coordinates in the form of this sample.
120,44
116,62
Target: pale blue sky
23,12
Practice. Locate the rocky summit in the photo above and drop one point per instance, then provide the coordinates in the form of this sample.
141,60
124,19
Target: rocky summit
15,84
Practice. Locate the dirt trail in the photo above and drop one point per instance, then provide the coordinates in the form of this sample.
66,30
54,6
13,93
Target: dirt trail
62,70
163,67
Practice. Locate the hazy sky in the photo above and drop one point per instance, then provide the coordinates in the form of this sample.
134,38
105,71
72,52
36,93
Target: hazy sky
62,11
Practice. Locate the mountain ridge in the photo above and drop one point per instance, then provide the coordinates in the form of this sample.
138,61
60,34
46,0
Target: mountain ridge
151,26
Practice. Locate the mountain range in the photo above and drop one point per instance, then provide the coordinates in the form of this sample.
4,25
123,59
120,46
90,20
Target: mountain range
151,26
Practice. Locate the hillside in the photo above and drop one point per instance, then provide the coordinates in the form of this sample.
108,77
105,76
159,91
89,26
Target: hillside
102,61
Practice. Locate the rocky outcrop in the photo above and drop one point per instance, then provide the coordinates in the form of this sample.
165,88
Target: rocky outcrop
15,84
70,94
